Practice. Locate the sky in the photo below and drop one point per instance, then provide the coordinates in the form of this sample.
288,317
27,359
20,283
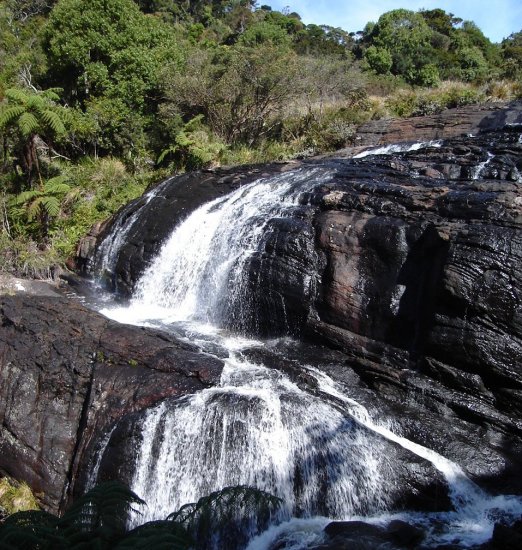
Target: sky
496,18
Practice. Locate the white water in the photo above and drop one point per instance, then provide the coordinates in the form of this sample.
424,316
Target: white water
107,253
398,148
477,171
322,454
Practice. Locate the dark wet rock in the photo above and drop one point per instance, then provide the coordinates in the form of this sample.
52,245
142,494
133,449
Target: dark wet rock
67,374
450,123
409,265
366,536
173,199
505,537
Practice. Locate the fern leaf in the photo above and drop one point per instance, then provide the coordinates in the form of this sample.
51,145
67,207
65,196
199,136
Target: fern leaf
10,114
57,186
27,123
24,197
51,205
17,94
106,505
159,535
33,208
230,514
54,122
36,103
52,94
168,151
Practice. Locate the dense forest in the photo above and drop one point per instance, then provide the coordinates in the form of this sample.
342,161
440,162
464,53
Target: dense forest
98,98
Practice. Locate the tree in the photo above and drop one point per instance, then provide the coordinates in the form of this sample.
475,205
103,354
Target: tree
32,116
239,90
512,56
109,56
41,205
406,37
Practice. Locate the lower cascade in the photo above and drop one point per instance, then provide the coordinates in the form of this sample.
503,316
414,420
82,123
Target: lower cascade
296,433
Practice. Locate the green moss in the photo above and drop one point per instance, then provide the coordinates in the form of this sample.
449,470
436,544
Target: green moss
16,497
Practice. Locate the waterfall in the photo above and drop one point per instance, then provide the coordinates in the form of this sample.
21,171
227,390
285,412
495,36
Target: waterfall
243,432
320,451
107,252
199,273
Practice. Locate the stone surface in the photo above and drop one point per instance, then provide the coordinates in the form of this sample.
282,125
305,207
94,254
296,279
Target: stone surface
450,123
67,373
410,265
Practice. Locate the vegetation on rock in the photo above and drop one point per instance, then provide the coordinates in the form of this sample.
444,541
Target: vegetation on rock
100,519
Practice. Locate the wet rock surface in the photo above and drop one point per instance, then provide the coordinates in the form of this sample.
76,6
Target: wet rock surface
409,264
401,272
68,373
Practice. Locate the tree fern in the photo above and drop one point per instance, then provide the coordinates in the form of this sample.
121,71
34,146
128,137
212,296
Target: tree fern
98,520
9,114
54,122
232,514
31,114
27,123
104,510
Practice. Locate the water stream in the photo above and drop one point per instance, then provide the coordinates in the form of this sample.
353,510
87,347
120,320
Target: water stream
320,451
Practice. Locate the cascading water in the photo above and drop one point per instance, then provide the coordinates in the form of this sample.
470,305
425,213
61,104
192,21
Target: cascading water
320,451
107,253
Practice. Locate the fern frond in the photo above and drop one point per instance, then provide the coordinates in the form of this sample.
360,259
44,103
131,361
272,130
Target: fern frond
168,151
107,505
17,94
24,197
227,514
160,535
57,186
27,123
36,102
193,123
53,121
32,529
52,94
33,208
51,205
9,114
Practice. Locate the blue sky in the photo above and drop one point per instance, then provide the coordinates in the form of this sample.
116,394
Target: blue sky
496,18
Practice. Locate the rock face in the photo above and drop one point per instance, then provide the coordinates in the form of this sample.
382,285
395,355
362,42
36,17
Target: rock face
471,119
412,264
67,373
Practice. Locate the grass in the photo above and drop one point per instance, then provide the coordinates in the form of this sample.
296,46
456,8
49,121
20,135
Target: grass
16,497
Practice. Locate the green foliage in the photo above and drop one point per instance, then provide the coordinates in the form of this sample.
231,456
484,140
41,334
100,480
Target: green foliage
239,90
427,46
155,86
405,35
98,520
28,116
222,516
379,59
21,256
411,103
16,497
194,146
41,204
